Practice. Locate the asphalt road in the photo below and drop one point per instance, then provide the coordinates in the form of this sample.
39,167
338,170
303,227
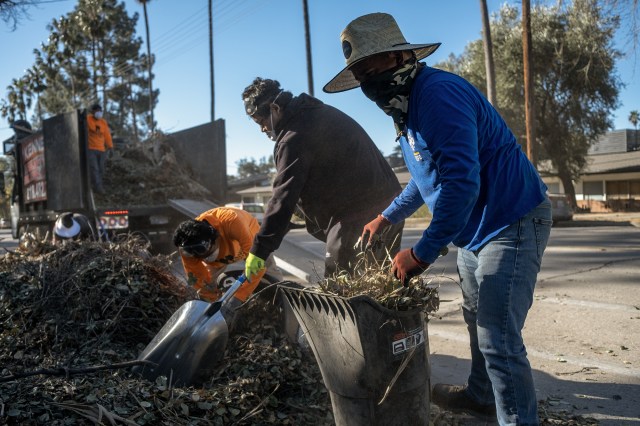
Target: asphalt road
582,333
6,241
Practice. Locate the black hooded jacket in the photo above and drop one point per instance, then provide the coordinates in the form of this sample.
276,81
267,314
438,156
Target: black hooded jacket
327,165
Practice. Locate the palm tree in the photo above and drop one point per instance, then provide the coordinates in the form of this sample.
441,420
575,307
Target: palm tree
633,119
146,26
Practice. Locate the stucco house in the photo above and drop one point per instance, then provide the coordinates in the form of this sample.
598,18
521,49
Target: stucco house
611,179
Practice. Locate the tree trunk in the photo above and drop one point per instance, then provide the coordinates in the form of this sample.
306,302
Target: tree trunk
528,82
103,70
94,69
146,25
569,190
134,119
488,54
307,37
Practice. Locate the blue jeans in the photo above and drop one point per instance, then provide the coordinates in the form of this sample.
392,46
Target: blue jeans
497,282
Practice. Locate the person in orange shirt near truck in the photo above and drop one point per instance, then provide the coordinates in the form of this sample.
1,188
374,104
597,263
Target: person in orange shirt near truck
99,142
212,241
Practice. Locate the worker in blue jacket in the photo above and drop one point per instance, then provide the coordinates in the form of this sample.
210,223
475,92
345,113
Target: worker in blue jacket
485,197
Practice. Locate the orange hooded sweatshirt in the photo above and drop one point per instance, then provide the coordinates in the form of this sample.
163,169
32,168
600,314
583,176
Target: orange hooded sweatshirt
236,230
99,134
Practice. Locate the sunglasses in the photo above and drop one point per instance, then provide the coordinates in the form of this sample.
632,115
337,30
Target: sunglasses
196,250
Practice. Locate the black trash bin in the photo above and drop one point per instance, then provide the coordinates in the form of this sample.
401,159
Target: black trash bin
374,361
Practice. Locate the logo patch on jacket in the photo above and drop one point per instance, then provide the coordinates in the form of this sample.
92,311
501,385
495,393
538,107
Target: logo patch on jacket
412,144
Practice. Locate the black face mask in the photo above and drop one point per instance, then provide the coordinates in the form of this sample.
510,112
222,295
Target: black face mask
390,89
381,88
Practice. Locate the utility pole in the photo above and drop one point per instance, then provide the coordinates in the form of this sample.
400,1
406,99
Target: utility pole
146,25
307,37
213,112
488,54
529,95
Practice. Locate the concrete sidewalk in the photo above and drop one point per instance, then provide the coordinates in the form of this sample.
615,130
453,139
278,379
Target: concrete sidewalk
601,219
579,219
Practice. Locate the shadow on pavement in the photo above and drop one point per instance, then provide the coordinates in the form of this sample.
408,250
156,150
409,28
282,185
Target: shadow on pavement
609,403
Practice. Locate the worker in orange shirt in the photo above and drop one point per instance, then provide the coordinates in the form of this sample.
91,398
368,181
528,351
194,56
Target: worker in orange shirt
214,240
99,142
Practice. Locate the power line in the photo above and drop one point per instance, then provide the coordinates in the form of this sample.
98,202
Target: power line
47,1
176,34
173,41
176,37
182,23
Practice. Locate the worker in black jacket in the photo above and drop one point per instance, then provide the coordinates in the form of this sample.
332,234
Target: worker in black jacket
328,166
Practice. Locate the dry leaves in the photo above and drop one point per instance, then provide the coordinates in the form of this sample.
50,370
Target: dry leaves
147,174
85,305
373,279
82,309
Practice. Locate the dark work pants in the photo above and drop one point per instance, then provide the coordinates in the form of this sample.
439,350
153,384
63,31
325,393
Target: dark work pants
341,255
96,169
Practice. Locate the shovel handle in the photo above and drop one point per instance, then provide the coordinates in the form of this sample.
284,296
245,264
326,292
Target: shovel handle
218,304
232,290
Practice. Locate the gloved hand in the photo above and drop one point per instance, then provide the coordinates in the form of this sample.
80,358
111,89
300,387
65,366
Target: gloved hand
369,232
405,265
252,265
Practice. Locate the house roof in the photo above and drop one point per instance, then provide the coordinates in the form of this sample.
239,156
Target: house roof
255,190
619,162
622,162
254,180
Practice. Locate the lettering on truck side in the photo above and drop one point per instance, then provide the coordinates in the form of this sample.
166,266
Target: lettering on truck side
34,179
36,191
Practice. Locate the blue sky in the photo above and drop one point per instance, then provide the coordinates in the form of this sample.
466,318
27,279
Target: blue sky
266,38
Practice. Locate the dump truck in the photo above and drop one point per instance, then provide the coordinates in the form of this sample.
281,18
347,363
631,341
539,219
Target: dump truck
51,176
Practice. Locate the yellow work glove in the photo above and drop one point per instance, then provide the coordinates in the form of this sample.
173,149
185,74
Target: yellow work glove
253,265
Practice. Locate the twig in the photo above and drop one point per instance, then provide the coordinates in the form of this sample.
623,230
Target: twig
395,377
71,371
95,414
256,410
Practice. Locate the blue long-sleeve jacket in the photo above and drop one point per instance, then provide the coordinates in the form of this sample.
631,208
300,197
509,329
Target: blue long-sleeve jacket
465,164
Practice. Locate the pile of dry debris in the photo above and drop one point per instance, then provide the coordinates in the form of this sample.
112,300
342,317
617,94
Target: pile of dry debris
74,318
148,174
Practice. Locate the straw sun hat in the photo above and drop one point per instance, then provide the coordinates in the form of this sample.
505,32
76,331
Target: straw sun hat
369,35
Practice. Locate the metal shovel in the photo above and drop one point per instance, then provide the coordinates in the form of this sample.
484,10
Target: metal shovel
192,341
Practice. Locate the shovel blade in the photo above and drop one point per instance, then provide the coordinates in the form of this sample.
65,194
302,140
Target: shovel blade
188,346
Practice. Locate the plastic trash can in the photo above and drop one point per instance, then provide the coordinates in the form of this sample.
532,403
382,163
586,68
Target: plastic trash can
374,361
